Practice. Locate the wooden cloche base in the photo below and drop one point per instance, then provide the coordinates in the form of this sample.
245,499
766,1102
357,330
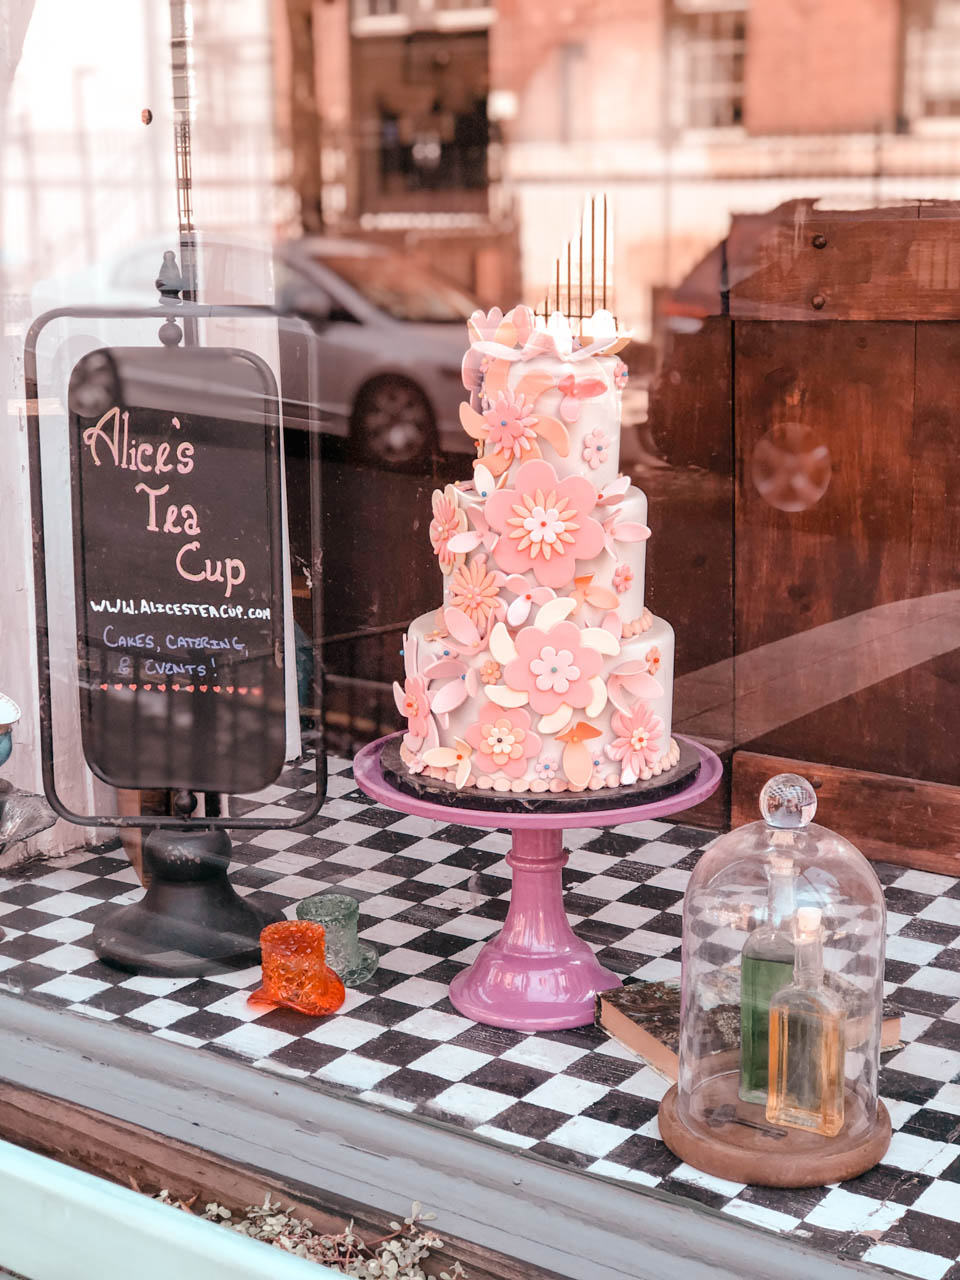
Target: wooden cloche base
768,1156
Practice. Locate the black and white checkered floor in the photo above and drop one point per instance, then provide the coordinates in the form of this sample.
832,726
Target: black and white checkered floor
431,895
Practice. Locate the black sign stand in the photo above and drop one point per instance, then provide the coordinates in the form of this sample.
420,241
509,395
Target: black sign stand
191,921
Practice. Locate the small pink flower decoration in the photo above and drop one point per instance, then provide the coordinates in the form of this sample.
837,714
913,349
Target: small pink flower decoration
546,769
595,448
546,524
553,667
491,672
503,740
413,700
510,428
526,597
448,520
476,592
574,390
510,424
621,375
637,744
615,530
622,578
652,659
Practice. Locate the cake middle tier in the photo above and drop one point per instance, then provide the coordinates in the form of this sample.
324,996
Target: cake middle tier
619,566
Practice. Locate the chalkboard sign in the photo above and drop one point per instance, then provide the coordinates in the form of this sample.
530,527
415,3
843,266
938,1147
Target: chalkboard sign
176,515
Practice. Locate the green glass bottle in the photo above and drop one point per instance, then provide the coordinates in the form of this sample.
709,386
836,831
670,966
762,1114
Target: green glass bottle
766,966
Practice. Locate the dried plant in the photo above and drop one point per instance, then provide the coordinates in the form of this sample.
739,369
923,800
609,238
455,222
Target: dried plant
396,1256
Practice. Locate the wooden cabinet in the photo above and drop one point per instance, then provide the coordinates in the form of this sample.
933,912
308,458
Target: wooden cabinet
817,403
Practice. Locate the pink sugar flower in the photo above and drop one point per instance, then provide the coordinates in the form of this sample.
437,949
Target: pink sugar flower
637,744
503,739
546,524
510,424
415,705
546,768
652,659
553,667
475,591
413,700
622,578
448,520
595,448
621,375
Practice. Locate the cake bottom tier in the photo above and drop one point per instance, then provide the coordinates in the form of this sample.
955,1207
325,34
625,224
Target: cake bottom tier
630,745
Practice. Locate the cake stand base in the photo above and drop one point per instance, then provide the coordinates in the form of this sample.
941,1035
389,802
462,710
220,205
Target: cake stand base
760,1154
536,975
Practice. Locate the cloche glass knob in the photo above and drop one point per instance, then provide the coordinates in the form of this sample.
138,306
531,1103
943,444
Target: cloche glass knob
788,801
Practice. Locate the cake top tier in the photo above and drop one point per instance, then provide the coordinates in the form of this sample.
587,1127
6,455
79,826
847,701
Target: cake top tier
540,390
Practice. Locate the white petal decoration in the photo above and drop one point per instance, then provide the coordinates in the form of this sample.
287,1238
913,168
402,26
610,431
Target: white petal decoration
627,776
556,720
483,480
554,611
599,699
618,695
411,655
505,697
440,757
519,611
599,639
501,645
398,698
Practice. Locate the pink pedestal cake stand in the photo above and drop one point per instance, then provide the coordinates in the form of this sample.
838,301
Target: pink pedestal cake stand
536,975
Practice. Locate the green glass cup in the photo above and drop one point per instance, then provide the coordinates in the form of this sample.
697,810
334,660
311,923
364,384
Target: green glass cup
352,960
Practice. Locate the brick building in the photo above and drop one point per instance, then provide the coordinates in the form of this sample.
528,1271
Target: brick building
464,125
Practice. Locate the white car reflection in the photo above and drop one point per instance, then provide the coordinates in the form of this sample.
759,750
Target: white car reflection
370,342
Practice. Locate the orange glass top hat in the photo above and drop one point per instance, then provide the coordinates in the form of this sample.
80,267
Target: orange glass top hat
295,971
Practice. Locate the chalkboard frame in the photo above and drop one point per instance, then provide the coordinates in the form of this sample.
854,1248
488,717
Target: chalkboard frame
185,366
173,310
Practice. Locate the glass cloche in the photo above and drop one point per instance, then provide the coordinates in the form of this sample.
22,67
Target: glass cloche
782,999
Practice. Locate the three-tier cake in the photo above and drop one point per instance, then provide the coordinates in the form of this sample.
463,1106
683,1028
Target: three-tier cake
542,671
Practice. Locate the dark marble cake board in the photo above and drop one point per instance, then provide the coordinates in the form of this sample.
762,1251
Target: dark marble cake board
677,779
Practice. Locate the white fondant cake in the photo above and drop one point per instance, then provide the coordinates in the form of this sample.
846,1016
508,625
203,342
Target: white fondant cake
542,670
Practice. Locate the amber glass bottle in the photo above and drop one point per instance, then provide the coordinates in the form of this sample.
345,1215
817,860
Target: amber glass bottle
807,1040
